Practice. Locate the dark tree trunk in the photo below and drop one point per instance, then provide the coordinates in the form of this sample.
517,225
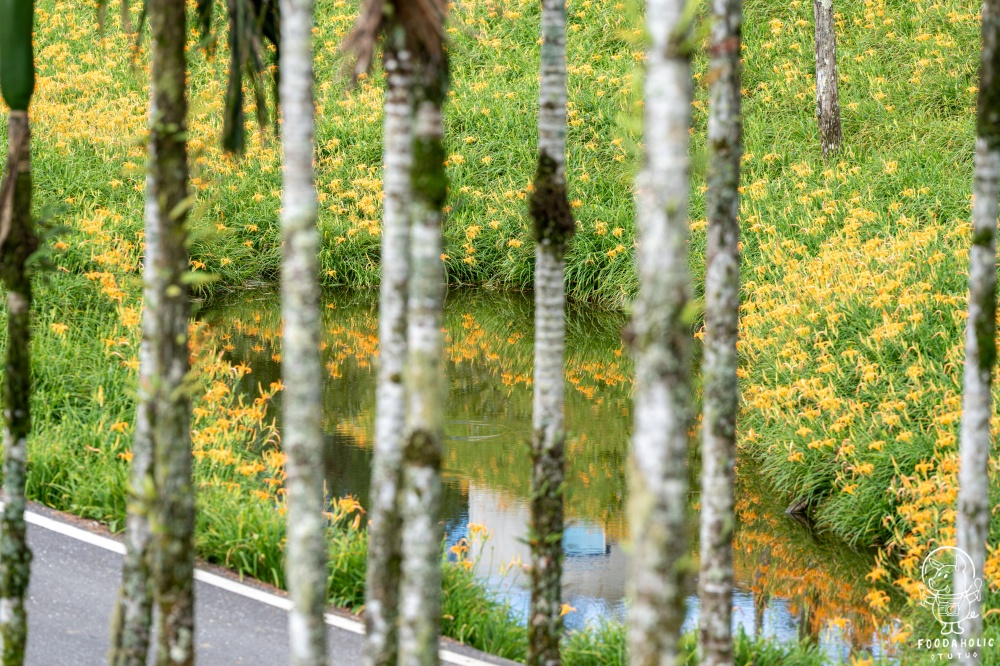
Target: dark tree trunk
18,241
172,519
827,97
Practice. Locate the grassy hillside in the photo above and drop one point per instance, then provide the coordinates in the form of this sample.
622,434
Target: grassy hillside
854,281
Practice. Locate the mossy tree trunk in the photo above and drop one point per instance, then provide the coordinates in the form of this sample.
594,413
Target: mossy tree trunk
302,367
553,226
172,517
721,393
658,488
827,96
133,611
18,239
382,581
17,243
420,590
972,524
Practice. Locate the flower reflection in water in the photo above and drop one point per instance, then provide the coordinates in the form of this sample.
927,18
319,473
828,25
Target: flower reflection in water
790,582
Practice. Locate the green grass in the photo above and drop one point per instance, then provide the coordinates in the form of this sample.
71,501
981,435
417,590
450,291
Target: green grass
832,253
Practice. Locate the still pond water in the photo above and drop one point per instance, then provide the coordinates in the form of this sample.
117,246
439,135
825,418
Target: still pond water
790,582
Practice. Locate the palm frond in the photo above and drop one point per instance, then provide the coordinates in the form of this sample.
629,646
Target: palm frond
422,22
252,23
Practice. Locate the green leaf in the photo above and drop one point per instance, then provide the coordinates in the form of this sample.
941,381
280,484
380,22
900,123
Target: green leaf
17,61
182,207
198,278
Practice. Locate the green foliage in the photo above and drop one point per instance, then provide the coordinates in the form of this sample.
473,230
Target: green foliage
490,626
429,179
755,652
897,199
549,207
17,58
471,615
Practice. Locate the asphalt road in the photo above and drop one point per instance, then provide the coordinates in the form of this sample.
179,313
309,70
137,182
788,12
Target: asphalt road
75,575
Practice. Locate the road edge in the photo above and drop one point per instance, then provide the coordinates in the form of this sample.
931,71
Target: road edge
96,534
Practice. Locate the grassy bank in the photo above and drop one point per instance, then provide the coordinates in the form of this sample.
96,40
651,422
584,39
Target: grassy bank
78,463
853,276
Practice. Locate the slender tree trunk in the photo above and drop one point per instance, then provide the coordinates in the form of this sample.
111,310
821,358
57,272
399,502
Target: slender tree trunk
18,241
553,225
134,609
658,489
382,581
172,520
722,304
827,97
759,596
420,592
973,518
302,367
545,623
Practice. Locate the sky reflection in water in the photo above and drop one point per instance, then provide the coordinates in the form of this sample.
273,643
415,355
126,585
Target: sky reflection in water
790,583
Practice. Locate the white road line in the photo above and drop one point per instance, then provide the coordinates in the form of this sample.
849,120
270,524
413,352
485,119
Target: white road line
284,603
224,583
344,623
74,532
461,659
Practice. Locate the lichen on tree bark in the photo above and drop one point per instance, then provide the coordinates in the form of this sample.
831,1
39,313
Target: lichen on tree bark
658,486
547,455
721,394
553,226
382,581
420,590
172,515
17,243
133,614
302,367
972,523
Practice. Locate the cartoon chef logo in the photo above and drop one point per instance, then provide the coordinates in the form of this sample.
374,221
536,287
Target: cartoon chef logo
950,606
